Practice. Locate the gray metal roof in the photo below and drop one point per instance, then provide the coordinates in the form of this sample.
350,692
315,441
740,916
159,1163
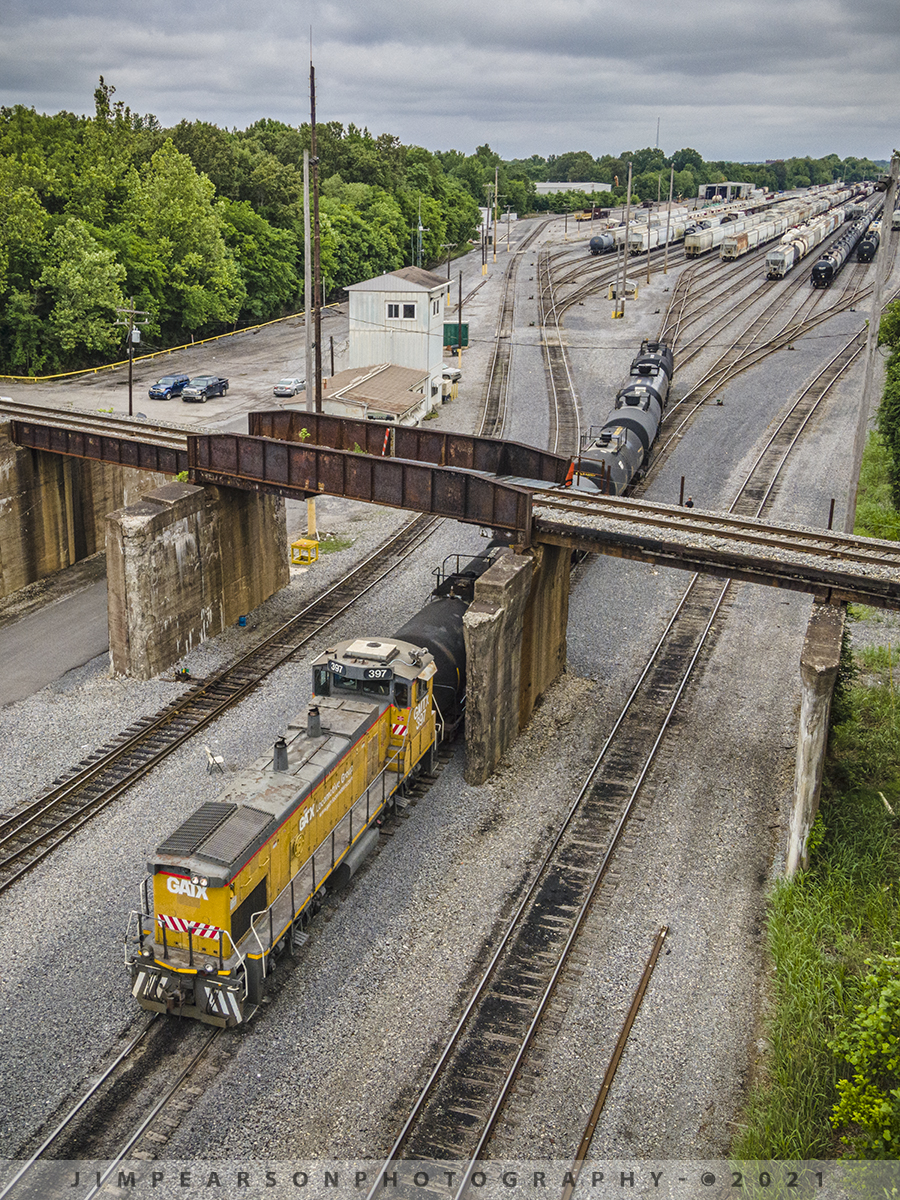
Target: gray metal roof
407,279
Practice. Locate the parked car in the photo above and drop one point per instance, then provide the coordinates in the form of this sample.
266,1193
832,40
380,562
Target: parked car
168,387
454,374
201,387
289,387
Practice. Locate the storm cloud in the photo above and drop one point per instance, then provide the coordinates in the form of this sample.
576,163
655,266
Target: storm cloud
735,79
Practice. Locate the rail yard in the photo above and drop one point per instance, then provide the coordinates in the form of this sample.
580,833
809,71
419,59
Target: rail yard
463,997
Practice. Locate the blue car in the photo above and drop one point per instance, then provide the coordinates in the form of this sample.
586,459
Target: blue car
168,386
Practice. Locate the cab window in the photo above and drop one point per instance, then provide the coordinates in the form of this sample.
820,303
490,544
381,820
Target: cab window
401,693
421,690
322,681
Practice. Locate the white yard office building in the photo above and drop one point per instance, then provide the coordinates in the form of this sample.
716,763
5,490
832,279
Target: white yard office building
398,318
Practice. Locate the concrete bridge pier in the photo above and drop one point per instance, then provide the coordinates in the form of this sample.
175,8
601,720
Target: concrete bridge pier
515,634
819,663
183,564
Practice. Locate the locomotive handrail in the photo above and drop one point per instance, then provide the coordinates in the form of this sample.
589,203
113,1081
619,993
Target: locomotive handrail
267,911
144,912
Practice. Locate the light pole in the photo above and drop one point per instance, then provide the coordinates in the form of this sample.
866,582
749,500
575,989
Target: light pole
131,313
448,246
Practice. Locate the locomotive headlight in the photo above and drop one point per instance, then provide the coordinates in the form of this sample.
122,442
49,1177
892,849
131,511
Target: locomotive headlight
195,879
204,882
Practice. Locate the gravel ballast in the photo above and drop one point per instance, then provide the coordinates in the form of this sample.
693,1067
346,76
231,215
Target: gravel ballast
329,1067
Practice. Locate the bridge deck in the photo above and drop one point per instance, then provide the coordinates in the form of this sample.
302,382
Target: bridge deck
483,481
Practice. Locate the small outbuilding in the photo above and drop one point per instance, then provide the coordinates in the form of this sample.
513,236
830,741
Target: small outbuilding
398,318
383,392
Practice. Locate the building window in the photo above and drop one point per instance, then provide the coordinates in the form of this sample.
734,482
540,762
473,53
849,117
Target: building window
435,307
401,312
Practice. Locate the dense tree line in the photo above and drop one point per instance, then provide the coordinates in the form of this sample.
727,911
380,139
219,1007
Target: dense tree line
203,226
651,170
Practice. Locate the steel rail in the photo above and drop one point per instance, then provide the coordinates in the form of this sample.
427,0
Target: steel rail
152,1115
609,1075
76,1109
207,708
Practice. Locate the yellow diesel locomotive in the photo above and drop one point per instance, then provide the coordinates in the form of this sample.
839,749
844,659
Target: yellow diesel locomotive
231,887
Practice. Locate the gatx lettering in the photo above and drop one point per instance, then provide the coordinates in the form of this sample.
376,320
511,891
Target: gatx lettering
184,887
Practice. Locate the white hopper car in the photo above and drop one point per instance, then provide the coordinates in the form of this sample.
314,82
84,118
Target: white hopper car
797,243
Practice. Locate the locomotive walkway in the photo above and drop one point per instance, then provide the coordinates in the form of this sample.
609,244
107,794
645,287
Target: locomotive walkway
482,481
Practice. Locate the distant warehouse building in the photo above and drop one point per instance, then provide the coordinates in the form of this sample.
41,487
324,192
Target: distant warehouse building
725,191
550,189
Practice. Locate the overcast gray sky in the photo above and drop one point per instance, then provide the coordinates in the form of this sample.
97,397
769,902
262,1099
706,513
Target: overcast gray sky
734,79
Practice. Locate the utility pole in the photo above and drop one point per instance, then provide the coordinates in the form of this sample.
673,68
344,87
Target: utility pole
307,288
317,272
620,299
882,269
496,180
668,221
448,246
134,335
459,324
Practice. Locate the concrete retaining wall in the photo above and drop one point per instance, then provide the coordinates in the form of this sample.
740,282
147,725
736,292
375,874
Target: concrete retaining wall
184,563
515,634
53,509
819,663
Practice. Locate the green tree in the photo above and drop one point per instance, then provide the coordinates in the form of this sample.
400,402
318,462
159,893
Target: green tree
868,1107
176,249
82,283
267,259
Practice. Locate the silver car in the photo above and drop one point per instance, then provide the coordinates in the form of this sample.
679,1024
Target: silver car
289,387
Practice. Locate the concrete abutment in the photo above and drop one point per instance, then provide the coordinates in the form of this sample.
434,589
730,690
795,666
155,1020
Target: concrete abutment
53,509
819,662
515,635
185,563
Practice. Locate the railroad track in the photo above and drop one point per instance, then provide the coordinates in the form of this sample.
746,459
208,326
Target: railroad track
156,1066
565,414
464,1097
496,387
33,829
94,424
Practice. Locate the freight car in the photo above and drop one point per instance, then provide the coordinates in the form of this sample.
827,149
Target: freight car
797,243
232,888
826,269
868,243
615,455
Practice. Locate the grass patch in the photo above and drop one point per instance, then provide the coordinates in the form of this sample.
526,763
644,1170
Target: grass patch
825,923
332,544
875,513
